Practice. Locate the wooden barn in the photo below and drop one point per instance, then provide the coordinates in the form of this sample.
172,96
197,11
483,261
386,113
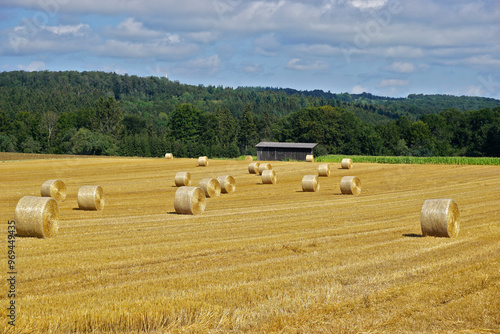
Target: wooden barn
269,151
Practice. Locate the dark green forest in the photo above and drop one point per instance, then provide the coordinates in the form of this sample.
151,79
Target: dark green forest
98,113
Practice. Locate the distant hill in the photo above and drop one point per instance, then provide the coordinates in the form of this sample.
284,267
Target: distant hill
39,92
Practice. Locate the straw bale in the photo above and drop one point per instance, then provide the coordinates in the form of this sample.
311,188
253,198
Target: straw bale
37,217
182,179
346,164
248,158
91,198
350,185
269,176
263,167
440,218
210,186
203,161
309,158
55,189
253,168
169,156
324,170
227,184
190,200
310,183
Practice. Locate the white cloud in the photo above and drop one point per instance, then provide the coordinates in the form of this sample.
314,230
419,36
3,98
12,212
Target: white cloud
162,49
393,83
33,66
402,67
301,65
130,29
210,65
358,89
368,4
75,30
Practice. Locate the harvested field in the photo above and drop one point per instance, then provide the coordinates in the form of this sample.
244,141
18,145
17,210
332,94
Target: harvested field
265,259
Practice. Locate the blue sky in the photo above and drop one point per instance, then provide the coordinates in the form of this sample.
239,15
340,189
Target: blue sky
384,47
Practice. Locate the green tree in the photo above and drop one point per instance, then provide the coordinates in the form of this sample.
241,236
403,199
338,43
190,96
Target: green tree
107,118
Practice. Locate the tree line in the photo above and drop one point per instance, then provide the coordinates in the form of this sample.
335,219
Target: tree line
108,114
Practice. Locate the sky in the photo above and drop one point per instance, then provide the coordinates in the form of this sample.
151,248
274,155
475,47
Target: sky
384,47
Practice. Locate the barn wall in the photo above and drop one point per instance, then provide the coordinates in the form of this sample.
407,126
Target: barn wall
279,154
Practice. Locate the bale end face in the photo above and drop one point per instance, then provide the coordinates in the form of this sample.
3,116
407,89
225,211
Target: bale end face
440,218
350,185
248,158
309,158
37,217
310,183
55,189
169,156
189,201
91,198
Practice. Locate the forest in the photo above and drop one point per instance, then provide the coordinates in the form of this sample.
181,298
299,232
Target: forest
99,113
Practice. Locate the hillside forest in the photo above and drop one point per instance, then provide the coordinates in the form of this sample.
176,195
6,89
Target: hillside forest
98,113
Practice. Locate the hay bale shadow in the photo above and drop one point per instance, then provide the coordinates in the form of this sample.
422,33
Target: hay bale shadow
413,235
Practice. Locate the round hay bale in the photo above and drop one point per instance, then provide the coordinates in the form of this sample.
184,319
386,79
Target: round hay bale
350,185
37,217
210,186
190,200
309,158
310,183
263,167
203,161
91,198
440,218
248,158
182,179
269,176
169,156
324,170
55,189
227,184
253,168
346,164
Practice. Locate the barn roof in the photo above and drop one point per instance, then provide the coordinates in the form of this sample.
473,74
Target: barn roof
286,145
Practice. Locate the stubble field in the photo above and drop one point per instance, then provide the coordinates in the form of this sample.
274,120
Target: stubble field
267,258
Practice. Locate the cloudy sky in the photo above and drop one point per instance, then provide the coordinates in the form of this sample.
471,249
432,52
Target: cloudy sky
384,47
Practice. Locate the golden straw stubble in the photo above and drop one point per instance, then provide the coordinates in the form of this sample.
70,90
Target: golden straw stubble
253,168
37,217
55,189
324,170
227,184
346,164
203,161
263,166
440,218
210,186
350,185
91,198
182,179
269,176
310,183
190,200
309,158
